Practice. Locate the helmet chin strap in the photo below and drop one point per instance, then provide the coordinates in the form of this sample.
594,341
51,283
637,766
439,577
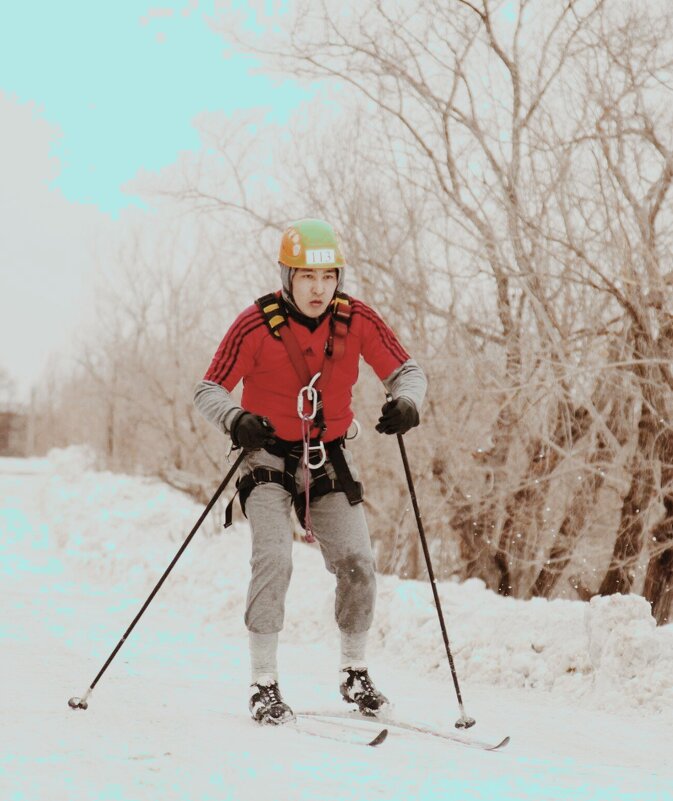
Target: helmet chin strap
288,297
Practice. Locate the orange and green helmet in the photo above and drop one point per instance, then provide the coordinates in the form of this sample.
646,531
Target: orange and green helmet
310,244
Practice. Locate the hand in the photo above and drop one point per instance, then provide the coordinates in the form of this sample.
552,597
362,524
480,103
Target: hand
397,417
250,431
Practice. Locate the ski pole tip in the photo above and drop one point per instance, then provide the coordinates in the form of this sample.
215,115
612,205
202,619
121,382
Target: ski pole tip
465,722
80,703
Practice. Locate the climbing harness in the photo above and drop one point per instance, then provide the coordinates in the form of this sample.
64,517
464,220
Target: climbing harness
310,412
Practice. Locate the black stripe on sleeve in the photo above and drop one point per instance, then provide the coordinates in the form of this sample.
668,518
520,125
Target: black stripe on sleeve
387,336
233,345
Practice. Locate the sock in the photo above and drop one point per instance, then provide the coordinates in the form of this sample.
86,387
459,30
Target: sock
263,649
353,648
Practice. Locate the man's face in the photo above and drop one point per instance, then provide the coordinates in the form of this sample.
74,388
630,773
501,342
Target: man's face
313,290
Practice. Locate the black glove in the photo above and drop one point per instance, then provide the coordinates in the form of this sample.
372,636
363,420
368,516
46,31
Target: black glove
397,417
250,431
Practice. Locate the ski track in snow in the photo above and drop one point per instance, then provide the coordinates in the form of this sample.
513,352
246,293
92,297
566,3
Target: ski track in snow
584,691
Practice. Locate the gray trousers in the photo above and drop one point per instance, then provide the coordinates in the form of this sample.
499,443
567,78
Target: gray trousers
342,533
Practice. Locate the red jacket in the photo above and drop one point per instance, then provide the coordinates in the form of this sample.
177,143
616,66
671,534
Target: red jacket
270,384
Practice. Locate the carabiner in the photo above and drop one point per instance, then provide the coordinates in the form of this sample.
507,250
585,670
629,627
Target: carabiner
311,396
357,431
323,455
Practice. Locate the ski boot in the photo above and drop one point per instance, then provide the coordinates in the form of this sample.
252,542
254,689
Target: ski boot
357,688
267,706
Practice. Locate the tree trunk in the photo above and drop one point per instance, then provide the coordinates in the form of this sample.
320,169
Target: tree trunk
568,534
620,575
659,577
110,432
612,398
518,537
630,535
475,519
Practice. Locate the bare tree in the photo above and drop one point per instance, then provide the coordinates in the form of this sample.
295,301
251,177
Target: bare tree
7,388
500,174
462,100
485,119
617,222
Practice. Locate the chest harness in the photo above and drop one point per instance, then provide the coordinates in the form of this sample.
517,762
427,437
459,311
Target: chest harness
311,413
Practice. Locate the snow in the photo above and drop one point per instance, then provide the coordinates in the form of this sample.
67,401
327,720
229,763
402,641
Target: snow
584,690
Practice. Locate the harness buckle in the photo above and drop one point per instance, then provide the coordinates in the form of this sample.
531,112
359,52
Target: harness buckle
267,477
310,394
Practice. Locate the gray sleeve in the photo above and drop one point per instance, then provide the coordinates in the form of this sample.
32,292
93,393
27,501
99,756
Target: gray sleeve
409,382
215,404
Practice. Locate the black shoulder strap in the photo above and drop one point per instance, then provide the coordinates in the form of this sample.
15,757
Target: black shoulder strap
275,315
273,310
342,311
343,301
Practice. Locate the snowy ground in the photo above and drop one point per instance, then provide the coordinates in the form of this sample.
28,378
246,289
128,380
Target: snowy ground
585,691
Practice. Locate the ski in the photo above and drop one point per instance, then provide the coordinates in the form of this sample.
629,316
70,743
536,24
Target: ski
365,739
313,725
411,727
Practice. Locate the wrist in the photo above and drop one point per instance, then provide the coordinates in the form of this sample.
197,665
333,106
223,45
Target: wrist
233,427
232,419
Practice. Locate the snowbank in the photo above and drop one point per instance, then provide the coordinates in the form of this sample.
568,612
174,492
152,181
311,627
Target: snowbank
73,460
632,659
608,653
120,532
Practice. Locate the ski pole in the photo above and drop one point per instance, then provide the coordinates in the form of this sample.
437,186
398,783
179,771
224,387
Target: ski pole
82,703
464,722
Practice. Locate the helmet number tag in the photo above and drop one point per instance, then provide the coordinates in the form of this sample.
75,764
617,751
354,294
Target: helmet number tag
320,256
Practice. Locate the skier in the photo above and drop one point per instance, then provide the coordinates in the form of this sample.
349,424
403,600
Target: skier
297,352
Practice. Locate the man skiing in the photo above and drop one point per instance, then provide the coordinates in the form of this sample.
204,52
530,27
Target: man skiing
297,352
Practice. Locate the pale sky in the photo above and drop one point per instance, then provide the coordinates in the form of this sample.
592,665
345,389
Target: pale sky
90,94
44,247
